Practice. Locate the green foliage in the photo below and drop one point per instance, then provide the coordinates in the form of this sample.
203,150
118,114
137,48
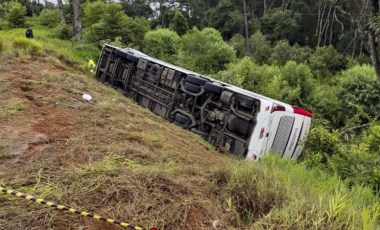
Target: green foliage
373,138
64,31
111,22
92,12
27,45
261,49
294,85
326,61
137,8
278,24
247,74
116,42
179,23
16,15
205,51
262,195
162,44
226,18
139,26
50,17
282,53
320,146
359,95
238,43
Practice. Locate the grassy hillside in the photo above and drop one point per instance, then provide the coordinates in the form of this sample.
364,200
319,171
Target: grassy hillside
117,159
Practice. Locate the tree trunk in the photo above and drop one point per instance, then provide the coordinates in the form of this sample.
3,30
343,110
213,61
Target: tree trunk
248,48
373,43
77,24
62,11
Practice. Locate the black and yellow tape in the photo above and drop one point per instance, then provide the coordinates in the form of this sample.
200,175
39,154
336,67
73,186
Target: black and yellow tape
71,210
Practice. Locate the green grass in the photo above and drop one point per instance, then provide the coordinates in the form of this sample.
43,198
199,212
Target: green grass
68,51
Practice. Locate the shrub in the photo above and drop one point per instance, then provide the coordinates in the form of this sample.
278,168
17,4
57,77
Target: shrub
179,23
65,32
359,95
205,51
162,44
326,61
261,49
294,85
16,15
238,43
27,45
50,17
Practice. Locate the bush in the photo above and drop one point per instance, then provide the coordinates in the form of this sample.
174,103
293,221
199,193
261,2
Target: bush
50,17
162,44
261,49
205,51
294,85
179,23
282,53
279,24
65,32
247,74
359,95
326,61
16,15
238,43
27,45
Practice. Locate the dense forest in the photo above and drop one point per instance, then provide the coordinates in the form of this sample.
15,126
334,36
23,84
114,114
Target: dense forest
320,55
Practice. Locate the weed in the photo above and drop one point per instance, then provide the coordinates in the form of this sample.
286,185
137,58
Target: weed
28,45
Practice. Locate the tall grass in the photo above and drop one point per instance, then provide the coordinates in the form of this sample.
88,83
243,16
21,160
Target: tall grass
280,194
68,51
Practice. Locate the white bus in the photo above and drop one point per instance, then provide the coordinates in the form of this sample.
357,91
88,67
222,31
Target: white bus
242,122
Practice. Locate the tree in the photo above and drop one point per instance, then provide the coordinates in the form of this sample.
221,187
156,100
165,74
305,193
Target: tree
205,51
162,44
226,18
261,49
278,24
16,15
373,45
61,11
77,21
179,23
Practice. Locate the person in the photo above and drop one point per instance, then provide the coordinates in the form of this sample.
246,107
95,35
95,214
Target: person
90,64
29,32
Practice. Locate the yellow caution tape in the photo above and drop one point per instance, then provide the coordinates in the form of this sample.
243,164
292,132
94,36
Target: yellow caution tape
71,210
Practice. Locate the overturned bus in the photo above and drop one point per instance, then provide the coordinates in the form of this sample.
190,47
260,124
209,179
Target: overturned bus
242,122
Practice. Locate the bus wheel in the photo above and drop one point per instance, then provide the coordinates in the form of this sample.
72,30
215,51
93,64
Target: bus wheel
238,125
214,87
192,88
181,119
195,79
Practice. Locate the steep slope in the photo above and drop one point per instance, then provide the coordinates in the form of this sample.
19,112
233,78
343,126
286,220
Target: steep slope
112,157
107,155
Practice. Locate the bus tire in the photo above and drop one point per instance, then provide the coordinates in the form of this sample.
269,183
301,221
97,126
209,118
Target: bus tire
181,119
195,79
214,87
238,125
192,87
